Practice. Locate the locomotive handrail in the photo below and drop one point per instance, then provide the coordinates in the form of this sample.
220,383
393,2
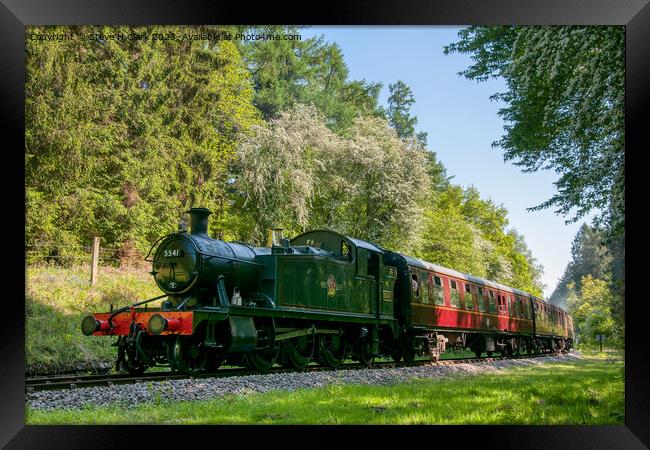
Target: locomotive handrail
204,254
230,259
152,247
126,308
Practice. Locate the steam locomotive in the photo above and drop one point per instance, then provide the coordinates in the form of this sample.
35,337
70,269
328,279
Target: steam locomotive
320,296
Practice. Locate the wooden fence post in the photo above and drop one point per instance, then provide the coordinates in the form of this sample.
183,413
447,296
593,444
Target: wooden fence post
95,262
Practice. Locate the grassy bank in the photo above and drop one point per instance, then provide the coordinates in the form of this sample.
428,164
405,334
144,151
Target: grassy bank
584,391
56,299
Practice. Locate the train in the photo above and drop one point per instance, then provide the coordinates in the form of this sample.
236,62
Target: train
319,297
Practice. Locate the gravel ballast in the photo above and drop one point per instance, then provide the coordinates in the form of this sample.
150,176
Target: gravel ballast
131,395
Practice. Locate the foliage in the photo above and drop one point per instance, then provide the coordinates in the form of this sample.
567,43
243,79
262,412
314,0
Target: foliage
466,233
279,168
122,136
595,257
399,105
298,174
590,308
287,72
588,257
564,108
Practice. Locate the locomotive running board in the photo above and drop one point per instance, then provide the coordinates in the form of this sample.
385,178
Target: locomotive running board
305,332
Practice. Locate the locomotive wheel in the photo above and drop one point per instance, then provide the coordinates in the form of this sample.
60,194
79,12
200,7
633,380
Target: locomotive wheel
396,354
261,360
126,358
214,361
489,354
190,356
477,353
408,351
299,352
365,352
332,350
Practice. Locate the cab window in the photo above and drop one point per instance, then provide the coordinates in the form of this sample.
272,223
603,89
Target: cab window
345,250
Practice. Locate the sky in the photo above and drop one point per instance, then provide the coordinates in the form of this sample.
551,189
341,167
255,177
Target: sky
462,123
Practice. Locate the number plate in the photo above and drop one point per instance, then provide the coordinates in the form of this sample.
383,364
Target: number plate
172,253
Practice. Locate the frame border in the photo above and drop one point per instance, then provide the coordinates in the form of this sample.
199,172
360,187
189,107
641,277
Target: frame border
634,14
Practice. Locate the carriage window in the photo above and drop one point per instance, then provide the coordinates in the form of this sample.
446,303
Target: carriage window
415,287
481,300
493,305
501,304
424,276
438,293
511,306
454,296
524,308
517,306
469,297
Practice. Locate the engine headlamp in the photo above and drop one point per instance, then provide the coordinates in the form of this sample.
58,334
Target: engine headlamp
157,324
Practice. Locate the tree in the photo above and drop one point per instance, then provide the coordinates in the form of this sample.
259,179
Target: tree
588,257
288,72
399,106
298,174
590,309
467,233
278,171
387,181
564,108
122,136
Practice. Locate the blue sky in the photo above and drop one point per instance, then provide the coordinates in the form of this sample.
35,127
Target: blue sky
461,123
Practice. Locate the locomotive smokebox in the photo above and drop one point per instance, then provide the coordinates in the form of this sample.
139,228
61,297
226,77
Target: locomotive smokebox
199,221
191,263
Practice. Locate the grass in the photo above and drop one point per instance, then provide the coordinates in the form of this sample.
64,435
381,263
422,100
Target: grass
56,299
584,391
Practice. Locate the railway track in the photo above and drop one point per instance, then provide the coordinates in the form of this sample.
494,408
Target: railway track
41,383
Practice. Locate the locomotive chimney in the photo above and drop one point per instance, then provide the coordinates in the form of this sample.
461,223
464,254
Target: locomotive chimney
199,221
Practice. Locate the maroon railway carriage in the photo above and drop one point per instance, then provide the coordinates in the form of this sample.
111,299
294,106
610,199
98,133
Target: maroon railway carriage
440,307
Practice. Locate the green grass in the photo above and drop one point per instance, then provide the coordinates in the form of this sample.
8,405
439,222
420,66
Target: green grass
588,391
56,299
